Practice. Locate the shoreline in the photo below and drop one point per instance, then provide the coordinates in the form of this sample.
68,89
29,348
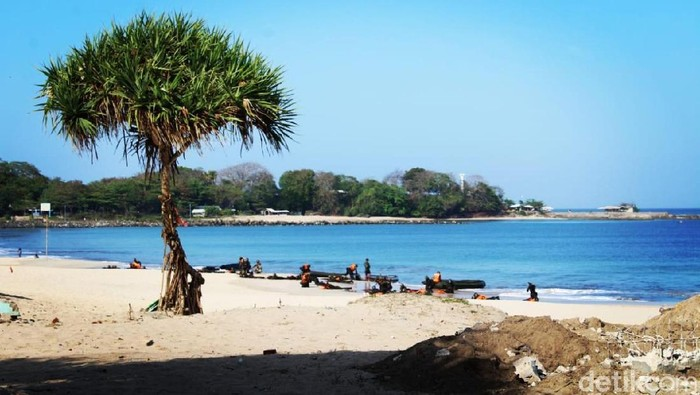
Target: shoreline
263,292
264,220
357,289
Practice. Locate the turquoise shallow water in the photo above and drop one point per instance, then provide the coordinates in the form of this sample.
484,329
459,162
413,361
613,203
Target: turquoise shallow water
652,261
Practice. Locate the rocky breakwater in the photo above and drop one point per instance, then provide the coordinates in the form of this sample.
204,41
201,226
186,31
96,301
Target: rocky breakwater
58,223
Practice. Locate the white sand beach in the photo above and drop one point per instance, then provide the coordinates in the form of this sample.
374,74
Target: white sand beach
83,330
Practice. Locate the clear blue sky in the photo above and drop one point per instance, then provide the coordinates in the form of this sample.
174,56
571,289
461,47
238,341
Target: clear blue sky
576,103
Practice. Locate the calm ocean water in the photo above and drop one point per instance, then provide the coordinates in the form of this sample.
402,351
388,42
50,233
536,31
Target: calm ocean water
628,261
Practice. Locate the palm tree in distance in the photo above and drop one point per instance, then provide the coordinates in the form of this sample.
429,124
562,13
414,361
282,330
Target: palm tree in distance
160,86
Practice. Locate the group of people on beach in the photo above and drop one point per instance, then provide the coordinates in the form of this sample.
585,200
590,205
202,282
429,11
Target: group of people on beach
19,253
351,271
246,270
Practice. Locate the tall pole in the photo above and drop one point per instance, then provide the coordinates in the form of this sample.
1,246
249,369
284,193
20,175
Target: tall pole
47,235
46,207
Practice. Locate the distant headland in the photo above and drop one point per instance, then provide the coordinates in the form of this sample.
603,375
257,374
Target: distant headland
289,219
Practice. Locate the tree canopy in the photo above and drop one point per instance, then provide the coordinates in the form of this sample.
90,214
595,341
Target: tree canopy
249,188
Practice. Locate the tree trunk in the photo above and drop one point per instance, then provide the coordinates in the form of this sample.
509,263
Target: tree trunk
180,295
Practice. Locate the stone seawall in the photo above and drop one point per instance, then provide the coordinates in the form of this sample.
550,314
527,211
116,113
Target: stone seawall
262,220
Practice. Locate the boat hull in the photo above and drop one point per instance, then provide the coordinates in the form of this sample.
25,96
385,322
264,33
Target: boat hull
460,284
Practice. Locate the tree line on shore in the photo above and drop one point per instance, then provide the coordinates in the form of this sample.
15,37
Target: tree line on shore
249,188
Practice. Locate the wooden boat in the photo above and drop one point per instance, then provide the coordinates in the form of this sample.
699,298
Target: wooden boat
326,274
232,267
460,284
342,277
384,277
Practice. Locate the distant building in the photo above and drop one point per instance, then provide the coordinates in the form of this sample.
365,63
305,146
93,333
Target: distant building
522,207
272,211
199,212
623,208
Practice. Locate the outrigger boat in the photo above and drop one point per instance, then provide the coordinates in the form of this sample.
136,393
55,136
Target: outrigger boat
459,284
342,277
384,277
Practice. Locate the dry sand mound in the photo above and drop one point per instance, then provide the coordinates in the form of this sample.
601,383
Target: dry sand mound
480,360
681,320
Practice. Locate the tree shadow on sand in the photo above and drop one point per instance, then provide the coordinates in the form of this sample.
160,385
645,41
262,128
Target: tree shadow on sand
4,295
334,372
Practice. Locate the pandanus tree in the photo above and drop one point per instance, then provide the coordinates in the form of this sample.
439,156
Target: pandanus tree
160,87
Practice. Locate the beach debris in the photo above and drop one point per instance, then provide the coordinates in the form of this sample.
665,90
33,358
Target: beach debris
152,307
443,352
55,322
150,343
10,308
530,370
269,351
584,360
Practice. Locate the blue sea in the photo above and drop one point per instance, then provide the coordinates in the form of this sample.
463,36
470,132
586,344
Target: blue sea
574,260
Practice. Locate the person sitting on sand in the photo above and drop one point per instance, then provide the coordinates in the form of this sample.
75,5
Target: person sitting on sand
479,296
244,268
384,285
533,294
305,279
258,267
327,285
405,289
437,277
136,264
429,285
450,288
351,271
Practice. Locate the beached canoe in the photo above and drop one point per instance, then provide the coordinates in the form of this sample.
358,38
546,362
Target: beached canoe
384,277
460,284
326,274
232,267
338,277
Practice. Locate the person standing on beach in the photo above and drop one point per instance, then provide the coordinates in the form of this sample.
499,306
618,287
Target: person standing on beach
368,272
305,275
19,252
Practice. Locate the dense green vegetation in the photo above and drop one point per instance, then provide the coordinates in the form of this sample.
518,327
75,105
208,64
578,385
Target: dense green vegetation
250,188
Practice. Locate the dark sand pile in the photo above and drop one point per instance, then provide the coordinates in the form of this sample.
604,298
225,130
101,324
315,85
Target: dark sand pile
480,360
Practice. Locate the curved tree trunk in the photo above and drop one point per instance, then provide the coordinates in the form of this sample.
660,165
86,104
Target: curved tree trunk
181,294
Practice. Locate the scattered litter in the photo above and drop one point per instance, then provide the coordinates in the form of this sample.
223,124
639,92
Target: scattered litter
443,352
